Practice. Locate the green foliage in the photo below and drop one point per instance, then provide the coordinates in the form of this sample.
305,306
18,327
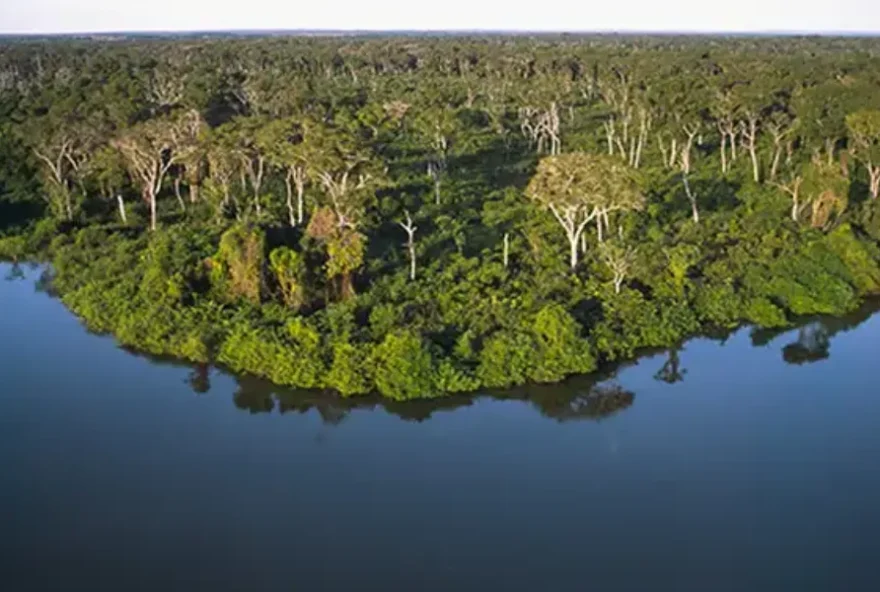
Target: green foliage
681,258
350,373
764,313
630,322
237,267
403,367
506,359
718,305
560,351
451,378
859,259
346,254
288,269
289,356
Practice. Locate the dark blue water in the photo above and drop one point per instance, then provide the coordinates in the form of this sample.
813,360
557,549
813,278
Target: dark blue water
741,467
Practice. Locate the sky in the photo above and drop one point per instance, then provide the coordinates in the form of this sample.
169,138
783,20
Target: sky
84,16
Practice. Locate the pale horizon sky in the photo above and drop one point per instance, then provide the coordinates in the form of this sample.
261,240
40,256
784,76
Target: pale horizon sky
95,16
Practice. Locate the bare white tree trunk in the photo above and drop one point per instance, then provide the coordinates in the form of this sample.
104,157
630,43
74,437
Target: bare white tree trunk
619,261
874,175
609,135
437,191
258,182
299,181
673,152
410,229
793,189
436,169
506,254
573,221
152,199
774,167
121,204
664,154
749,131
644,129
691,131
695,212
829,150
288,186
178,195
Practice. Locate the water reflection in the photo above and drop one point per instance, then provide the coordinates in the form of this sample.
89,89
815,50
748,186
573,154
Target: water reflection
578,400
585,398
15,272
812,345
199,379
593,397
812,342
671,372
18,271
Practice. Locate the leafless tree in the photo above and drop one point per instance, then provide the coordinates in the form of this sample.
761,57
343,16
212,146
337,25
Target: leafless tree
793,189
779,130
692,198
410,229
749,130
620,261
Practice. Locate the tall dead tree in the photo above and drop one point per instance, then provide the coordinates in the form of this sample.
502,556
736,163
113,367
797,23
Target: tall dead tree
541,128
793,189
749,131
620,261
410,230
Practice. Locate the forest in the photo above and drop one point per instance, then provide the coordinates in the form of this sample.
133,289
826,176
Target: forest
417,216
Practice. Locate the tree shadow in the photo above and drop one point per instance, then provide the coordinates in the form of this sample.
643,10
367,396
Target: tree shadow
712,196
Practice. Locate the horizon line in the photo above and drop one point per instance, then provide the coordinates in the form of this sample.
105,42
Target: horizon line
451,31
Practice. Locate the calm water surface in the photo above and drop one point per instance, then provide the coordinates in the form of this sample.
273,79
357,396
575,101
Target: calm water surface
748,464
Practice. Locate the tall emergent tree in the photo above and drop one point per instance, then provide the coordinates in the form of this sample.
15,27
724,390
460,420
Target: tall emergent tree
578,188
152,148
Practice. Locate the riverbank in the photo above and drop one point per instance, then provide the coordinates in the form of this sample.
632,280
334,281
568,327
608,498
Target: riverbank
596,396
169,293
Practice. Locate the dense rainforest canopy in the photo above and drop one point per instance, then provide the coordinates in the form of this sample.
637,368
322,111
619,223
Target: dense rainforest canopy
420,216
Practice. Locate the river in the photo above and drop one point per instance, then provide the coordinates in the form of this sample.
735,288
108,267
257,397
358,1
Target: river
745,463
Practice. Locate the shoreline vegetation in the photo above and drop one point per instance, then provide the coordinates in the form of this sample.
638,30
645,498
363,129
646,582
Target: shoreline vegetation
418,217
591,397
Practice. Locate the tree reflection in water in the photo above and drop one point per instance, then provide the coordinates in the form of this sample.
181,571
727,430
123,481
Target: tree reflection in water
814,336
812,345
575,401
199,379
586,398
15,272
671,372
